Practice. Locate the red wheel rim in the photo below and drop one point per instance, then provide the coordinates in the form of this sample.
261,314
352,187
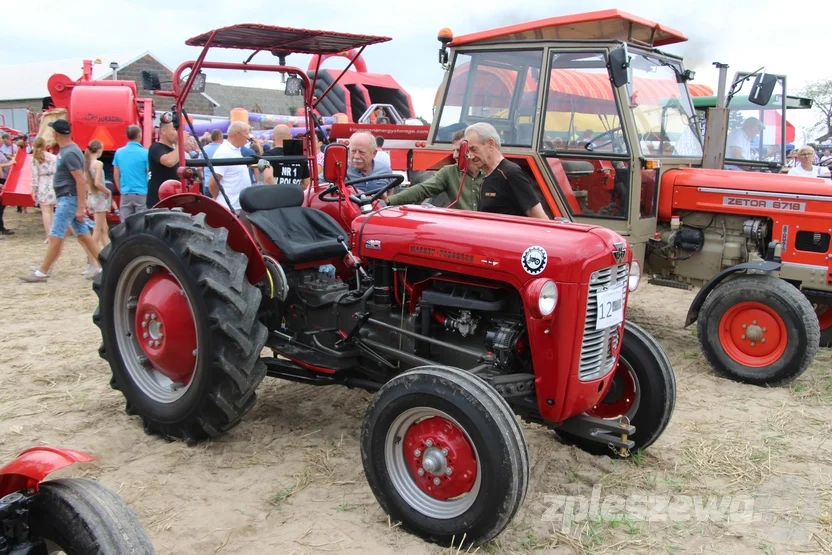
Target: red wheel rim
753,334
825,318
622,395
441,461
166,329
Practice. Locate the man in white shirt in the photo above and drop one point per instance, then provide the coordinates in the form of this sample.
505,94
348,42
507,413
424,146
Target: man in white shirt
805,166
233,178
382,156
738,144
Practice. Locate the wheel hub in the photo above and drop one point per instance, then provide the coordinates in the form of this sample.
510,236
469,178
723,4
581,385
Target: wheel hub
166,329
621,398
753,334
440,459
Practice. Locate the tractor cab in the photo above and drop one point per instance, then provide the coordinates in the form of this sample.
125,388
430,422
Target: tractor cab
767,148
587,104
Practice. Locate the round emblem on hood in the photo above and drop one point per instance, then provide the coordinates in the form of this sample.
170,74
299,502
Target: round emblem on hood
534,260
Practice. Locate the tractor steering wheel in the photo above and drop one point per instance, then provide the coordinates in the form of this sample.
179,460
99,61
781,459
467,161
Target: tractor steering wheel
361,199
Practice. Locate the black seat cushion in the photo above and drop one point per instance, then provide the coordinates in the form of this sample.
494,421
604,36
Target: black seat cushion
268,197
302,234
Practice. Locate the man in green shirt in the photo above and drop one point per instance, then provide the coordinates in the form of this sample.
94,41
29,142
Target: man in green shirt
446,180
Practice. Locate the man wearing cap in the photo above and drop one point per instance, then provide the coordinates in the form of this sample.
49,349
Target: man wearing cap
70,210
738,145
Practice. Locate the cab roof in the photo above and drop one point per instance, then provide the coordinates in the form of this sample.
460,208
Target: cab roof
286,40
600,25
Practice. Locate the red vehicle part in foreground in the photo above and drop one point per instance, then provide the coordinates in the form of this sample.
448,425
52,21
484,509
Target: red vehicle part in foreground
35,464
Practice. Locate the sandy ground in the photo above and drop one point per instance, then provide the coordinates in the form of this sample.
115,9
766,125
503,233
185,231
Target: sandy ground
289,478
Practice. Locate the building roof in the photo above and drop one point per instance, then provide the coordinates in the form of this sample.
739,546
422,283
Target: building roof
27,81
264,101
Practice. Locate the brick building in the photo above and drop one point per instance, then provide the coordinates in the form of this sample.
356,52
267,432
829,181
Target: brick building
24,87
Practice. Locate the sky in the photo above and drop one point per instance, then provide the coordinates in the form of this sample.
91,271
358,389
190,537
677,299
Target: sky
746,35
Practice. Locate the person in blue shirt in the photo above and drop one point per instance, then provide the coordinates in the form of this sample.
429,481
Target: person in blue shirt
130,167
210,149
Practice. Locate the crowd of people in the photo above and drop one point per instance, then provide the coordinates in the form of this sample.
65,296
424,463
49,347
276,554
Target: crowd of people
70,184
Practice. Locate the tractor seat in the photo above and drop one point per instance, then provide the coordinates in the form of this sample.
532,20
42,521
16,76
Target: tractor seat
302,234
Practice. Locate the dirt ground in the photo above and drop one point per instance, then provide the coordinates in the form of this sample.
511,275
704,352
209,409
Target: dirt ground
289,479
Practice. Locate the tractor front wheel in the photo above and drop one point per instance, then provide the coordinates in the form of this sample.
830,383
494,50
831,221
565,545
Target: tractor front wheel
643,390
445,456
179,324
759,330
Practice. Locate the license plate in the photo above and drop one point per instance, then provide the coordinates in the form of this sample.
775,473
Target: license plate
610,308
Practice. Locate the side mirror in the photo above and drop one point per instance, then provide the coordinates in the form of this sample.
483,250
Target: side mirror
462,161
335,162
762,89
150,81
294,86
618,64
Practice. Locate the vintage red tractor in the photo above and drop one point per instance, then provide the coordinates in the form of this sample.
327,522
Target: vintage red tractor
457,321
69,515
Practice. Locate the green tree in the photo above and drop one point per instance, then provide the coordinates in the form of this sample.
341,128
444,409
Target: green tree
820,92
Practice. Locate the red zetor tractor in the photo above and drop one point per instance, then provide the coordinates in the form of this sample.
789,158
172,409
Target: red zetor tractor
602,121
457,321
69,515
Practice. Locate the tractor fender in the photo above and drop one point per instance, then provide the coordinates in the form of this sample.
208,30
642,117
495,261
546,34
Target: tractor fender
34,464
699,300
217,216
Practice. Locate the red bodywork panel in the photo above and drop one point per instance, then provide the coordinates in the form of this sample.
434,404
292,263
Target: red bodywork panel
216,215
18,188
33,465
605,24
792,203
247,36
464,242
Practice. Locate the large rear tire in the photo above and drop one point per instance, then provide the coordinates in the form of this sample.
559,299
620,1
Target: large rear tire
643,390
758,330
179,324
445,456
78,516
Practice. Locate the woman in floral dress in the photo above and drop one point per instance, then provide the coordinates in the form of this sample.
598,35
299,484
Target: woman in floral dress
43,170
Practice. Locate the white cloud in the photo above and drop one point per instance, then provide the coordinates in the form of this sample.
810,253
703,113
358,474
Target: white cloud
744,34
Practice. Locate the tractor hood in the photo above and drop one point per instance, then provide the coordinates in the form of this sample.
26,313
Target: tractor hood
747,181
499,247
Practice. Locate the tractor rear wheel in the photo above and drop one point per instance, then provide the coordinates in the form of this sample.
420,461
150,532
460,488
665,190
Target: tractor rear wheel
643,389
445,456
759,330
824,313
179,324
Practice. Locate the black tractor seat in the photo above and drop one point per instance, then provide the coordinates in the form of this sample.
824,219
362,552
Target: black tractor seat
302,234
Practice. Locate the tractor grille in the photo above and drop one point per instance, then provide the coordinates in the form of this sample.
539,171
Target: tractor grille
598,345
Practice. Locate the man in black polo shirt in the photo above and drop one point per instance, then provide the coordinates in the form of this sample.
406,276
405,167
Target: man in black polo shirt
506,189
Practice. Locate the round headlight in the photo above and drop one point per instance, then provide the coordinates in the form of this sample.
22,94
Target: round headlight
635,276
548,299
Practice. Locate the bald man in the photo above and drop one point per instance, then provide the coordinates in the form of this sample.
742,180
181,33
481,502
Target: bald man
362,162
233,178
287,173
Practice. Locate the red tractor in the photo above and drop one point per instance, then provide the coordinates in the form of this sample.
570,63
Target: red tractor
69,515
457,321
602,120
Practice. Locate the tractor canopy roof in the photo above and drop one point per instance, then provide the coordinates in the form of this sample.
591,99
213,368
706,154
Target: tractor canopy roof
600,25
282,40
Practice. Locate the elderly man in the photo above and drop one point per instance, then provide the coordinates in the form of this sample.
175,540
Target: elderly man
233,178
447,180
363,163
506,189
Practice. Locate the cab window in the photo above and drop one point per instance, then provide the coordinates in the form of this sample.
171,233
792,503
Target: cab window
499,88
